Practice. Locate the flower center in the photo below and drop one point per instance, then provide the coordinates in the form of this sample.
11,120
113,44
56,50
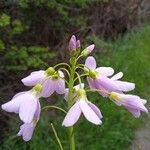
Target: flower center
92,74
114,96
50,71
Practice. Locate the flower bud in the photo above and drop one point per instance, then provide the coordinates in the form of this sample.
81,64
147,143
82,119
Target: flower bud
72,43
88,50
78,44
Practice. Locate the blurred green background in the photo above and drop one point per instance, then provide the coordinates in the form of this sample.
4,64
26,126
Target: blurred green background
34,34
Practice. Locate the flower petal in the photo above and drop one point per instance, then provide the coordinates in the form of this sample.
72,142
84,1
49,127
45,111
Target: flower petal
133,102
96,110
79,86
12,106
72,115
105,71
26,131
125,86
106,83
89,114
117,76
27,108
90,62
91,83
61,74
136,113
48,88
34,78
59,86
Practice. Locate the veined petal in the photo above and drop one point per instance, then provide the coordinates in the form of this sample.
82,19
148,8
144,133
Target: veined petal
96,110
72,115
12,106
105,71
136,113
117,76
91,83
26,131
90,62
27,108
34,78
106,83
59,86
133,102
48,88
125,86
89,114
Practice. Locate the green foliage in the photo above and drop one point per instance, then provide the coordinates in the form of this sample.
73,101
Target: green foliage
2,46
23,58
129,54
4,20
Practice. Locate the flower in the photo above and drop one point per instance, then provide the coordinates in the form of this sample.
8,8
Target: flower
52,81
74,43
88,50
54,84
98,78
25,104
132,103
26,130
82,105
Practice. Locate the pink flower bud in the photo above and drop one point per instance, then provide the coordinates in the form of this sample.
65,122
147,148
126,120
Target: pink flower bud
72,43
90,48
78,44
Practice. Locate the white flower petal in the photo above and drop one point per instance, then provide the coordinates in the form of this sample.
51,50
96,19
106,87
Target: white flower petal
59,86
117,76
34,78
72,115
27,108
48,88
125,86
90,63
89,114
106,71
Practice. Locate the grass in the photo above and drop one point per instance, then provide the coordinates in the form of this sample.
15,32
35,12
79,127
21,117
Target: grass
130,54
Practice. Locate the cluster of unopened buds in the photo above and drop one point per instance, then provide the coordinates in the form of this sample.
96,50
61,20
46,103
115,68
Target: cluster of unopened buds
45,83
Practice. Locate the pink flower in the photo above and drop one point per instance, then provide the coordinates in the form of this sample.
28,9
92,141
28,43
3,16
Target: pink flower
82,105
25,104
132,103
54,84
52,81
74,43
98,79
26,130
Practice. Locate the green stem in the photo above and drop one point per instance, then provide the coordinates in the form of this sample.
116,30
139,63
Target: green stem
70,95
57,138
55,107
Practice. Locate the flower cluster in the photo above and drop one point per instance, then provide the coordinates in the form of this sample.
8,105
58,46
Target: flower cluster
45,83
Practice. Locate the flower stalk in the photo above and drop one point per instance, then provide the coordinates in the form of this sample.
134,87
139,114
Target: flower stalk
70,96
